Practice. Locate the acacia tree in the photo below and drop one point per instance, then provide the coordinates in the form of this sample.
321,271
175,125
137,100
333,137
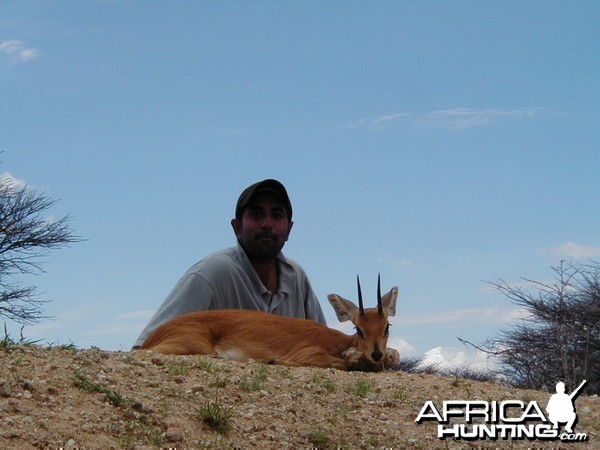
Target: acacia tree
26,235
559,338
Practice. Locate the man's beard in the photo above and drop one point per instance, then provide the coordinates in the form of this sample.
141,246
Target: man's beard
262,247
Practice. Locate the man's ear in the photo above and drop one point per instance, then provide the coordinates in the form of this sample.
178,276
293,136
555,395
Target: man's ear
237,228
290,225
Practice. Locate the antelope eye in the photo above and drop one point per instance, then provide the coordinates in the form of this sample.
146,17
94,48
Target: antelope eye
360,333
387,329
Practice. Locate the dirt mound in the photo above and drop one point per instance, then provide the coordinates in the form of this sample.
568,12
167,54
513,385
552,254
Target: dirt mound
61,397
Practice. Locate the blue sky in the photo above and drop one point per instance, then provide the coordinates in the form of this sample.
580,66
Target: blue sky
441,144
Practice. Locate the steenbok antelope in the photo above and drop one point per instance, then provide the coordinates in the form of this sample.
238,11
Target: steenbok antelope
273,339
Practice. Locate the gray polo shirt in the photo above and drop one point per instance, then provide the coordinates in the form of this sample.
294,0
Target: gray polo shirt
227,280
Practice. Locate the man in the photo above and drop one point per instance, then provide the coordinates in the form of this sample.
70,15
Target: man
560,407
252,275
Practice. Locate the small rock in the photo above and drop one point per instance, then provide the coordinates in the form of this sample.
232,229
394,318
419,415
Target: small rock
138,406
5,390
174,435
157,361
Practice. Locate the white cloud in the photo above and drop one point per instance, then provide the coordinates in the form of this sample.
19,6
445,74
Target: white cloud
11,180
17,52
403,347
468,117
517,314
456,358
397,262
382,122
345,327
576,251
456,118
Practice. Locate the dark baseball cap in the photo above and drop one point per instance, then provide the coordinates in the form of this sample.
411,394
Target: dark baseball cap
268,185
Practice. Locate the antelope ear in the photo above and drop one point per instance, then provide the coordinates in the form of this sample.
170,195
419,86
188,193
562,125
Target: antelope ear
389,302
344,309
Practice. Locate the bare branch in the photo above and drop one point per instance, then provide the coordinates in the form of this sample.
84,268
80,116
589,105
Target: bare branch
560,338
26,236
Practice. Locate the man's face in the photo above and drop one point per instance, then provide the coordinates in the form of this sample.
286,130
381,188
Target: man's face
264,228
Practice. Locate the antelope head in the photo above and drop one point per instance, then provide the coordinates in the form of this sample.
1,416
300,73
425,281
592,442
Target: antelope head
372,326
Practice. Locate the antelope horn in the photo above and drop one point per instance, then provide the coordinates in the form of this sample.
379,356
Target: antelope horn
361,309
379,305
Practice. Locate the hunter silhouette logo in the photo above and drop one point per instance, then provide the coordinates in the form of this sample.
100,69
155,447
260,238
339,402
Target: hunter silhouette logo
507,419
561,408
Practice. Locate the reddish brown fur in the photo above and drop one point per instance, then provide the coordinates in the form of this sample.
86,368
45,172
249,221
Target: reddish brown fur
372,324
243,334
270,338
218,332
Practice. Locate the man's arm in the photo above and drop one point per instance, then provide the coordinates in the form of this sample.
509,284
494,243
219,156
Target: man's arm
312,305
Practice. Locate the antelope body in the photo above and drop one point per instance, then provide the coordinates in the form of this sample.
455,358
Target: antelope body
270,338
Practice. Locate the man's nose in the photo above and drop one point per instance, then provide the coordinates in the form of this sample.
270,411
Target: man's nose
267,223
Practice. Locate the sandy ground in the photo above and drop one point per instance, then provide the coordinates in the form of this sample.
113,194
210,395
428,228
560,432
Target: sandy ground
61,397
